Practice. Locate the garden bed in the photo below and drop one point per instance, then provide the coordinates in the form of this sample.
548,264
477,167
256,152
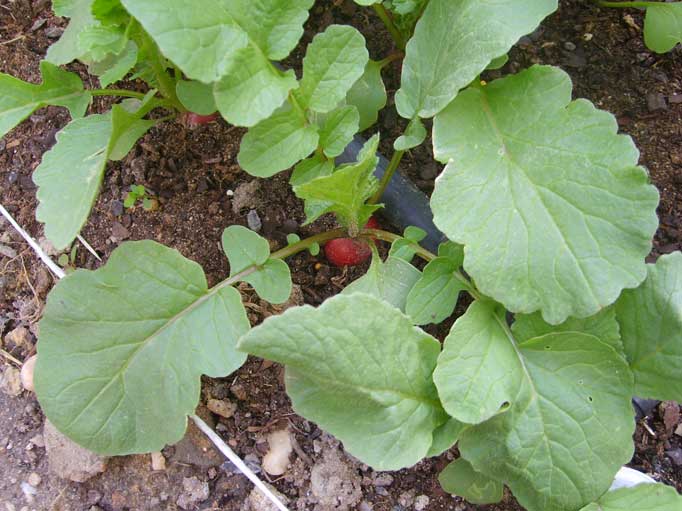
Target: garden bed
202,190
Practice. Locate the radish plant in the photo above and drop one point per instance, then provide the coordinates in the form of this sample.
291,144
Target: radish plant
547,214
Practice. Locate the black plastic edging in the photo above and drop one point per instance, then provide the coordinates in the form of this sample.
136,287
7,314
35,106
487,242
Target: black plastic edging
407,205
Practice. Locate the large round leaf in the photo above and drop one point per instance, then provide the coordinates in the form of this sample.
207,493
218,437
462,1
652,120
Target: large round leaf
122,348
546,197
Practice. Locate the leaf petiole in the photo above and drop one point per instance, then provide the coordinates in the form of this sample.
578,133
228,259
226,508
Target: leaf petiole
117,92
388,21
388,174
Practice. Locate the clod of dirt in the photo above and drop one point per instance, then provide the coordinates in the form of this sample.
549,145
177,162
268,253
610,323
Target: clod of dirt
10,381
276,461
257,501
421,503
245,196
194,448
196,491
69,460
253,221
19,337
27,373
335,484
158,461
225,409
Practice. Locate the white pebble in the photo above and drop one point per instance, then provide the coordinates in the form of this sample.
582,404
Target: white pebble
27,373
276,461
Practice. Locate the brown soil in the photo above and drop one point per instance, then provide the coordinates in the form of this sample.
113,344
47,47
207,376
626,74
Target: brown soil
191,171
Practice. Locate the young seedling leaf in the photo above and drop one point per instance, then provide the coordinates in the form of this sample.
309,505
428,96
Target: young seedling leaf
553,210
196,97
334,61
407,246
459,478
96,42
650,320
445,436
19,99
414,136
277,143
67,49
338,130
244,248
71,172
358,368
602,325
252,88
390,281
643,497
454,42
345,191
115,67
109,12
435,295
368,95
311,168
122,348
272,281
663,26
547,444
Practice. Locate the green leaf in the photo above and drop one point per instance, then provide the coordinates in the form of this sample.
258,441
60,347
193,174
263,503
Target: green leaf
252,88
122,348
71,172
272,281
643,497
338,130
244,248
20,99
389,281
454,41
404,7
407,246
414,136
568,424
115,67
551,207
110,12
127,127
67,48
199,37
368,95
602,325
358,368
663,26
650,320
445,436
346,190
196,97
498,62
99,41
452,251
277,143
311,168
478,371
275,26
435,295
459,478
334,61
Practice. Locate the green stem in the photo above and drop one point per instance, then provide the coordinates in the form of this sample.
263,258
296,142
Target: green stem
305,244
388,174
117,92
602,3
388,21
424,254
391,58
166,82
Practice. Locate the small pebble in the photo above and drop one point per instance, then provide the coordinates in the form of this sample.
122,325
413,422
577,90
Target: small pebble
225,409
276,461
116,207
383,480
8,252
34,479
569,46
655,102
675,456
27,373
253,221
158,461
421,502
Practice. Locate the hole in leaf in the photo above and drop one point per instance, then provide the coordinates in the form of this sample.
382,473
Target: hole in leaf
548,347
589,398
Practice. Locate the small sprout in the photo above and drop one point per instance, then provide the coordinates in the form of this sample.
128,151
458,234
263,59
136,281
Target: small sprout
140,193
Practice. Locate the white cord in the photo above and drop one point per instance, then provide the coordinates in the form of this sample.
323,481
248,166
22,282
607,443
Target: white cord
58,272
236,460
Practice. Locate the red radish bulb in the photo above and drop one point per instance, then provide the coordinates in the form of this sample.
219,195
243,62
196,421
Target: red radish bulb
347,251
193,120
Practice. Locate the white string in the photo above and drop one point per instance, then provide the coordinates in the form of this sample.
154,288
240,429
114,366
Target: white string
58,272
236,460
